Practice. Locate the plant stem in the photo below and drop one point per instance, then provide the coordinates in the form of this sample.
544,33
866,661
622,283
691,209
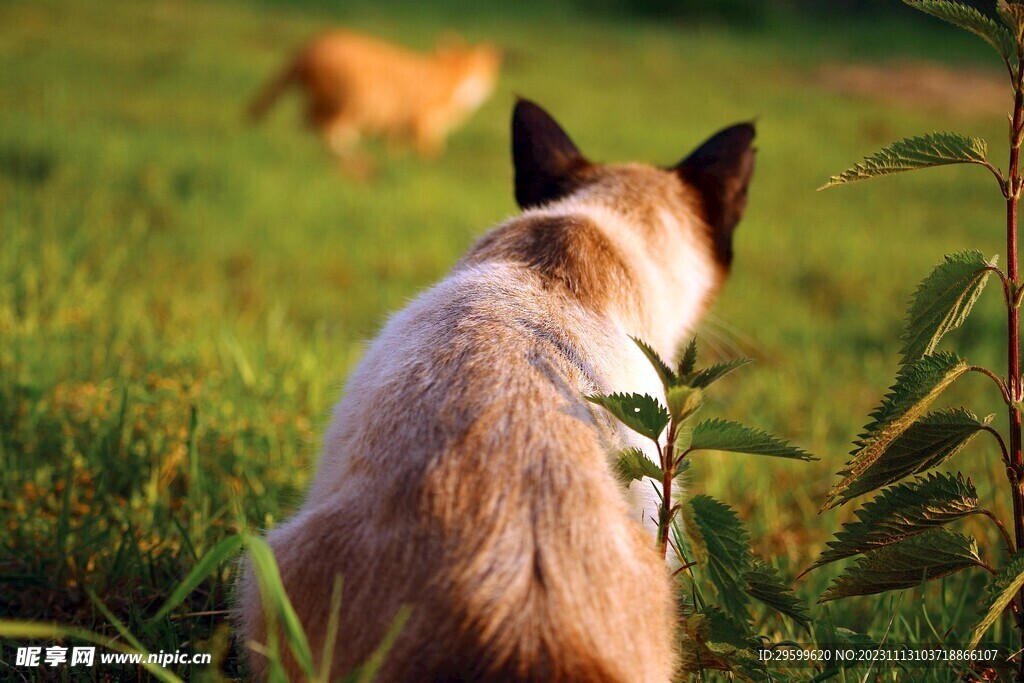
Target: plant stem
1002,446
988,373
667,470
1013,337
1010,550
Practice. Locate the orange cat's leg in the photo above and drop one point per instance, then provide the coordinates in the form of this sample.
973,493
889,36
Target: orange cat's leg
428,138
341,135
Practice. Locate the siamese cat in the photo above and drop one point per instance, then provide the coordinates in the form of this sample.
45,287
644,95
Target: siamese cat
356,85
465,475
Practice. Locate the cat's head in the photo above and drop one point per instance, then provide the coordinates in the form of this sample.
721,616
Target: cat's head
709,185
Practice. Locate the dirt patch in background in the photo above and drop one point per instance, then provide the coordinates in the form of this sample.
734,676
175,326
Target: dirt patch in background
922,85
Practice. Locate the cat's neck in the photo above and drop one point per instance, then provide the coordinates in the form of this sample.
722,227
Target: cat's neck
671,276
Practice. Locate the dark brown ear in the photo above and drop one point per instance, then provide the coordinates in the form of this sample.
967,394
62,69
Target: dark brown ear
720,170
547,164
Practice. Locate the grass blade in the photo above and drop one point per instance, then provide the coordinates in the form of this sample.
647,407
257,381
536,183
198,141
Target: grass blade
276,602
41,630
206,566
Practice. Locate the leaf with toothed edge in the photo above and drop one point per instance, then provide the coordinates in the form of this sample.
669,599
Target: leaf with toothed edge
943,301
633,465
917,385
725,435
900,512
909,154
1000,591
909,563
683,401
721,544
715,641
689,360
665,374
970,19
641,413
713,373
1012,15
927,443
766,586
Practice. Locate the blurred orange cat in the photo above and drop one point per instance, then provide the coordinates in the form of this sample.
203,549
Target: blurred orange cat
356,85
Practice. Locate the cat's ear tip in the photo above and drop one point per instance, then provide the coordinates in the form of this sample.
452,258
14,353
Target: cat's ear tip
745,131
524,106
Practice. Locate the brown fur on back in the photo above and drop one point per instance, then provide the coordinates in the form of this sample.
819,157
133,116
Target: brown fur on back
357,85
569,252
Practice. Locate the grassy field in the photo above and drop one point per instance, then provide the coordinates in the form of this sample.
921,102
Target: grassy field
182,295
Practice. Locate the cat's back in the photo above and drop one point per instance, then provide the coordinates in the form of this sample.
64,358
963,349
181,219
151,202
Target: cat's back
362,63
493,357
467,454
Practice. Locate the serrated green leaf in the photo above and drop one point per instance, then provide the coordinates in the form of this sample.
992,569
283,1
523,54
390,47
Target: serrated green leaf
665,374
917,385
827,632
683,401
930,555
713,373
726,435
903,511
972,20
641,413
765,585
721,544
927,443
633,465
999,591
688,362
1012,15
942,302
715,641
724,630
934,149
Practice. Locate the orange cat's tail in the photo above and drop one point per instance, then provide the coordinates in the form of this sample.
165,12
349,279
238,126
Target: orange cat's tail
272,90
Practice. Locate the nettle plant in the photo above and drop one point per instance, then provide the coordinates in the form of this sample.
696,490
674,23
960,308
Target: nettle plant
705,535
900,536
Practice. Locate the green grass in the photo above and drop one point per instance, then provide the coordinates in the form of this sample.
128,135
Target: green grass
181,295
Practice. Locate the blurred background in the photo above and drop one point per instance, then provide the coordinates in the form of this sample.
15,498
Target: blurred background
182,294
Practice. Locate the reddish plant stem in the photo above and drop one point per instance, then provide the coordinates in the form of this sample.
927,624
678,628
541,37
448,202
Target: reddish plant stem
1013,321
1016,471
665,523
